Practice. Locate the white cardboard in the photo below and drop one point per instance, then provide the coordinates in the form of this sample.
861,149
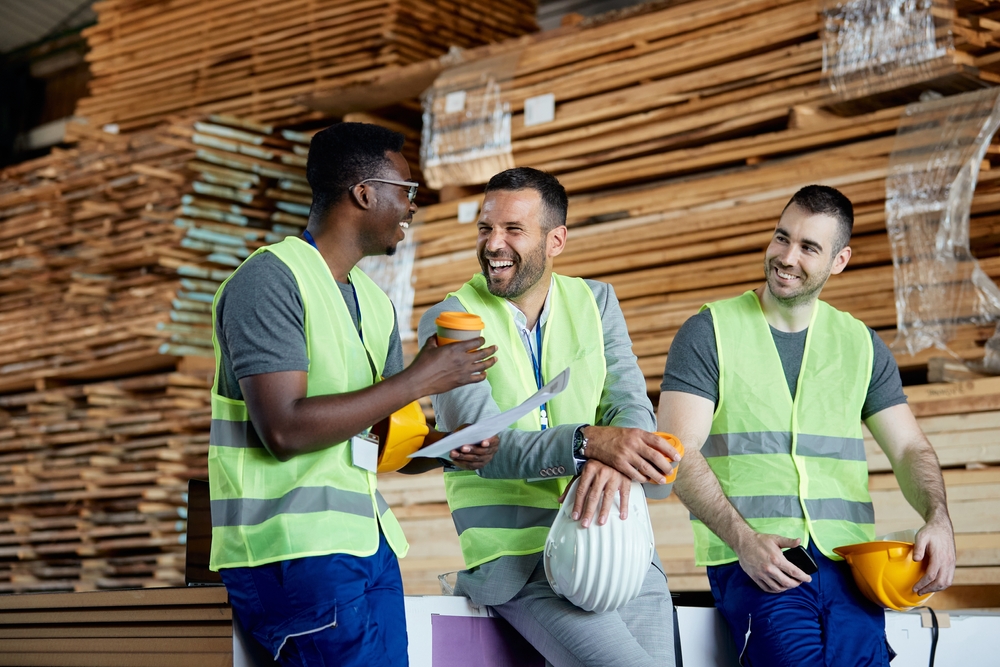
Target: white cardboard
454,102
468,211
539,109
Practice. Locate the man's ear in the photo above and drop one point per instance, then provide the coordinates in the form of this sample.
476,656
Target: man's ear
840,261
555,241
363,196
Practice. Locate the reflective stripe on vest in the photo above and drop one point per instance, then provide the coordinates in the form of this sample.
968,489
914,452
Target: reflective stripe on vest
790,466
499,517
265,510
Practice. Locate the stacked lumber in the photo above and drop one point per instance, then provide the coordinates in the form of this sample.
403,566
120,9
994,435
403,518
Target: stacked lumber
154,628
249,189
669,248
81,235
693,86
255,58
92,493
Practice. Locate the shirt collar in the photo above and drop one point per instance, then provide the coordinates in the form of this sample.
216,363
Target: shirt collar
522,321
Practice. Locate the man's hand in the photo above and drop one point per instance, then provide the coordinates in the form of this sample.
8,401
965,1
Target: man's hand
635,453
474,457
935,542
762,559
597,488
438,369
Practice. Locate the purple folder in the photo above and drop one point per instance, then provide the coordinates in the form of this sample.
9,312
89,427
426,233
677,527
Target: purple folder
479,641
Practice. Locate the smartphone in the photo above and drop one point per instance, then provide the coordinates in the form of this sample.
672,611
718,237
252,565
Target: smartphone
801,559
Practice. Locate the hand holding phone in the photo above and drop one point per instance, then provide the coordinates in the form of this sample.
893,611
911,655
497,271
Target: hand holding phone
801,559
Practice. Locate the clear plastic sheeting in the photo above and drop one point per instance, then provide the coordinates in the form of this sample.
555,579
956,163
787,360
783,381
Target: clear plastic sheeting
394,274
466,132
870,46
932,175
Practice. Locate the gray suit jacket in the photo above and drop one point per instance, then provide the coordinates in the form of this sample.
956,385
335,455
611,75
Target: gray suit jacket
533,454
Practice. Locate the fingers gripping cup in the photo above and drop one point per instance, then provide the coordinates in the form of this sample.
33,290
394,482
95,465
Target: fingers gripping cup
674,442
454,327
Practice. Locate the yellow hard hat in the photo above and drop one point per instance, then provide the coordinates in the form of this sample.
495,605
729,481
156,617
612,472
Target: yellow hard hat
406,430
886,572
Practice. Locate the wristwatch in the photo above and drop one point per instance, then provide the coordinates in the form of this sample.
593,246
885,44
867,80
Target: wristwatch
580,443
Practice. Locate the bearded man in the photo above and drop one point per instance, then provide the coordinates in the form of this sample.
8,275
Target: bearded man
541,323
767,393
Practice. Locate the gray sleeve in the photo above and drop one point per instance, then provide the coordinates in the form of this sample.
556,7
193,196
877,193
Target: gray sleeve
522,454
394,359
260,323
624,402
693,361
886,387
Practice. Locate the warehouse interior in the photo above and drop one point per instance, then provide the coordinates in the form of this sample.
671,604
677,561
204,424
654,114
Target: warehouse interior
148,147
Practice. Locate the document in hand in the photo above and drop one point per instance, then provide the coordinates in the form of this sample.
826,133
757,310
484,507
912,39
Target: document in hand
490,426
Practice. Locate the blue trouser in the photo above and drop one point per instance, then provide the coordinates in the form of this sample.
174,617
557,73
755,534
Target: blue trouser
825,622
325,610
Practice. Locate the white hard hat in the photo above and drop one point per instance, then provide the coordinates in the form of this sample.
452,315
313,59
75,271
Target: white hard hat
602,567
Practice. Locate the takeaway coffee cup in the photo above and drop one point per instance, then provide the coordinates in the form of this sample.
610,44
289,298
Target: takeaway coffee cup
674,442
456,327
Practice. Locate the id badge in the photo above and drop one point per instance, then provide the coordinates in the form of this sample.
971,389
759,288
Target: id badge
364,452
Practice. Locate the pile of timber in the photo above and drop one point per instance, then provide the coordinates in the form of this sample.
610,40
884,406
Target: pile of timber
154,628
669,248
92,493
255,58
960,419
694,86
82,232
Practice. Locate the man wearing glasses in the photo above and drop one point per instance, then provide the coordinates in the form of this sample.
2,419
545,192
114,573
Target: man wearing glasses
304,542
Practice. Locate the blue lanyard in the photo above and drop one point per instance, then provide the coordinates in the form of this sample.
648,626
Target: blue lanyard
537,366
357,306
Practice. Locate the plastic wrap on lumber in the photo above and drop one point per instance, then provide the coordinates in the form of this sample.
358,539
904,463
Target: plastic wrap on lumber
933,171
870,46
466,135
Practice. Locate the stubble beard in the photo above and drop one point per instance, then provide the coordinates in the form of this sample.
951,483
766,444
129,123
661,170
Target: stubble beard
810,288
528,270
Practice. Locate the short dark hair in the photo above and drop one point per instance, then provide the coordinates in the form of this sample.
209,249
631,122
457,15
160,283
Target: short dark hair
343,155
553,194
824,200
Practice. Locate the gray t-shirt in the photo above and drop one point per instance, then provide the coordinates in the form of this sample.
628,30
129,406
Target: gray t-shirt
693,364
260,323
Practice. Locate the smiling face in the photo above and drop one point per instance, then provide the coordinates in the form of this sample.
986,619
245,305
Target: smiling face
391,211
802,256
513,248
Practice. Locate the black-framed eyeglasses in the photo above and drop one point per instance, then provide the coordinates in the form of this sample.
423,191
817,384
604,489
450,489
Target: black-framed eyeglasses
411,192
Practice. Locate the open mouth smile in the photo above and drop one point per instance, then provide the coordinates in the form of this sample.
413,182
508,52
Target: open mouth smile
785,276
499,267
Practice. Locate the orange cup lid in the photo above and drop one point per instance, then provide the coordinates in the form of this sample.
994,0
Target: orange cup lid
674,441
460,321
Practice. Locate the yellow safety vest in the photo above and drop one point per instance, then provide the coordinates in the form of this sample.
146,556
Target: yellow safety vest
502,517
265,510
792,466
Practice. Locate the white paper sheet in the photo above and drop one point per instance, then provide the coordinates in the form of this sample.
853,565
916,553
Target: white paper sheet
490,426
